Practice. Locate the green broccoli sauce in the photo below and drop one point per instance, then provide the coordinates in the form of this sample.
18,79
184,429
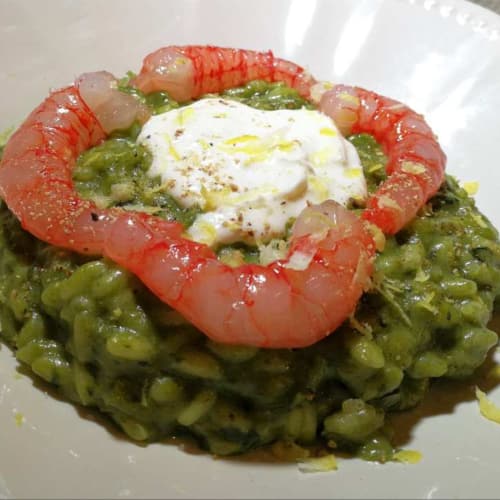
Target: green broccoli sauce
97,334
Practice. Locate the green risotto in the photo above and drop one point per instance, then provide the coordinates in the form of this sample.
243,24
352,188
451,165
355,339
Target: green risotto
97,334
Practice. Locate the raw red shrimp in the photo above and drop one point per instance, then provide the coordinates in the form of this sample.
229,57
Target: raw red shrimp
279,305
293,302
415,164
188,72
35,173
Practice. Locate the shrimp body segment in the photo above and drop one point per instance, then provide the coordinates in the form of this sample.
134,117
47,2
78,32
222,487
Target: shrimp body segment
188,72
415,163
279,305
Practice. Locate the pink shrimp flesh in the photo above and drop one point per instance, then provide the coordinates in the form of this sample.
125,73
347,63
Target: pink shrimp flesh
188,72
415,163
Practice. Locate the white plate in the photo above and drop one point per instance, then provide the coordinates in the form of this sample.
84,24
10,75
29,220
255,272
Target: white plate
441,57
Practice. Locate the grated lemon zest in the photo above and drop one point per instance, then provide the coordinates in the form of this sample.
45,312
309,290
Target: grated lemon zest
299,261
318,89
353,173
203,143
327,463
425,303
479,220
171,149
19,419
377,235
214,198
181,61
184,115
412,167
233,141
386,201
231,257
320,157
206,233
471,187
319,187
328,132
257,149
487,408
349,98
375,167
421,276
407,456
5,134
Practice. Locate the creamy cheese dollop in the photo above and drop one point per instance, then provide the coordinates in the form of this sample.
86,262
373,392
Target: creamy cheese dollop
250,171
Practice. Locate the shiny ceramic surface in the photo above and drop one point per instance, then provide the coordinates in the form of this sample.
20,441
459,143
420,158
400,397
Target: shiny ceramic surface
442,57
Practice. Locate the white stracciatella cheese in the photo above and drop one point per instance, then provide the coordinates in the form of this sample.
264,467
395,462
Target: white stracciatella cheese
250,171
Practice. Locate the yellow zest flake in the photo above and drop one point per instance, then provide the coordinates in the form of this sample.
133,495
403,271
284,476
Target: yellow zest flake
327,463
328,85
233,141
184,115
471,187
407,456
231,257
386,201
425,303
353,173
320,157
318,89
181,61
299,261
171,149
377,235
256,158
328,132
224,196
479,220
214,198
421,276
274,250
220,115
250,145
375,167
413,168
319,187
286,146
5,134
364,328
487,408
19,419
203,143
349,98
255,147
206,233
